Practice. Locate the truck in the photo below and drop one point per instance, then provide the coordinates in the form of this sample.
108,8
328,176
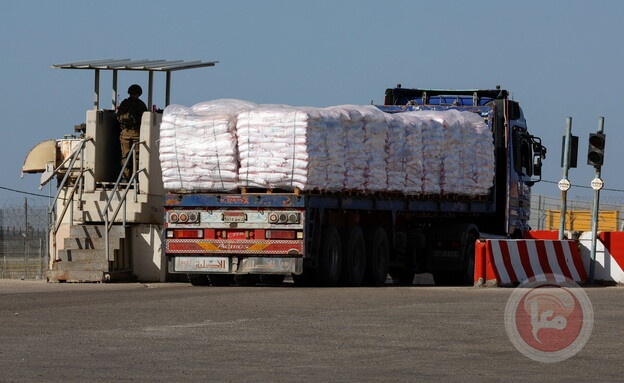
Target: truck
250,235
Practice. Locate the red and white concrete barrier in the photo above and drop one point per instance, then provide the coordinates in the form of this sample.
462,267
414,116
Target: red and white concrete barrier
609,260
508,262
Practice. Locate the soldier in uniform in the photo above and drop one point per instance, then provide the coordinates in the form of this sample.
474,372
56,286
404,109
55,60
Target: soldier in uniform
129,115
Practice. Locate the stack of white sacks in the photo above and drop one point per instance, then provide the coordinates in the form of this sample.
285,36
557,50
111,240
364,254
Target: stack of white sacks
223,145
198,145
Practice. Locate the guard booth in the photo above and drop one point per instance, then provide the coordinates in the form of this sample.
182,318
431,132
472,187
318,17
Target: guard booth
104,229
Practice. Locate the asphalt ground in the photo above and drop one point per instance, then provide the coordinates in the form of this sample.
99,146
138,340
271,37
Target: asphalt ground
134,332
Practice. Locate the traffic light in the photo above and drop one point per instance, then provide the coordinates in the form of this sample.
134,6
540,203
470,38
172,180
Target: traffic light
595,153
573,151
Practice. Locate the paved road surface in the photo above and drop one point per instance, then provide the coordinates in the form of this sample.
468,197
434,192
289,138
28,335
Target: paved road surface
178,333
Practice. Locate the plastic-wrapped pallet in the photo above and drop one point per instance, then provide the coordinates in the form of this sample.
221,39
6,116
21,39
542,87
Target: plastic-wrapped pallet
480,172
335,120
375,135
458,152
353,150
396,156
198,145
432,136
449,154
282,147
403,163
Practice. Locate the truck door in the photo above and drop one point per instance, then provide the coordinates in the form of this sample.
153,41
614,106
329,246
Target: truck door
525,169
528,153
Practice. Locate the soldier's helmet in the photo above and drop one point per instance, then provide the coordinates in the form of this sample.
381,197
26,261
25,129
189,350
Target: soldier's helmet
135,89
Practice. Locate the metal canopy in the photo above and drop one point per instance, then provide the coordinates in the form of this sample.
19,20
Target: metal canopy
149,66
142,65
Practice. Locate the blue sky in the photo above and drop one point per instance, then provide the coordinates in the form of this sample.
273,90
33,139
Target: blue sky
559,59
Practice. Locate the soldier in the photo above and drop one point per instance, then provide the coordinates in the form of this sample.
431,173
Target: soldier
129,115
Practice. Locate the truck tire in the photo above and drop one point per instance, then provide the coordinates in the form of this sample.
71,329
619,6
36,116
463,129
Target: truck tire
330,258
377,258
468,268
198,279
354,254
465,276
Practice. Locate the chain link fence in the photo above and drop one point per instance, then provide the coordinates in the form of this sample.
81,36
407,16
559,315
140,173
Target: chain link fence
546,213
24,228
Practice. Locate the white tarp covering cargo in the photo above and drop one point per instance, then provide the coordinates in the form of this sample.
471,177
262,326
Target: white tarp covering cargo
222,145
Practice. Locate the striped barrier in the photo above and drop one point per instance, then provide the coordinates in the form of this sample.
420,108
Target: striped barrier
508,262
609,257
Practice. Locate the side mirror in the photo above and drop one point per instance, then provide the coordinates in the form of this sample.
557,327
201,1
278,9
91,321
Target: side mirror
537,166
539,153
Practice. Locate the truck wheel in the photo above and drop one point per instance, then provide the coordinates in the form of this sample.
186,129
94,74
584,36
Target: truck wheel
378,258
469,260
221,279
198,279
354,265
330,259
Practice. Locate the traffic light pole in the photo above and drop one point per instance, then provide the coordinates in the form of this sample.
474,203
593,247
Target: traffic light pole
597,184
564,184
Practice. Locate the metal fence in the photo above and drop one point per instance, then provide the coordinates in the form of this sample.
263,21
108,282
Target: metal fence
545,213
24,228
